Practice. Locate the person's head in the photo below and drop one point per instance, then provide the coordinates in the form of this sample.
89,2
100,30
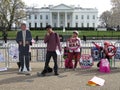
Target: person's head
75,33
49,28
23,26
106,44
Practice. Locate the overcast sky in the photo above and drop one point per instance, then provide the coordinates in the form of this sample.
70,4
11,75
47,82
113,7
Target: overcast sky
101,5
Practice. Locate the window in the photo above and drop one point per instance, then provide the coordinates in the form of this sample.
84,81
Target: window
87,24
29,16
68,25
61,22
82,24
40,16
35,25
55,16
68,17
76,24
29,25
82,17
93,24
46,24
93,16
46,16
61,16
87,16
55,25
41,25
76,16
35,16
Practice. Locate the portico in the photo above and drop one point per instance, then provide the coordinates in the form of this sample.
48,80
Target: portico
63,16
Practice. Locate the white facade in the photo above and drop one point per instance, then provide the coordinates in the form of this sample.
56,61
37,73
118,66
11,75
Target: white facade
62,16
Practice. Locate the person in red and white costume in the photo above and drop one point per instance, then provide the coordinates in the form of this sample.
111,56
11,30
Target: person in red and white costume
74,47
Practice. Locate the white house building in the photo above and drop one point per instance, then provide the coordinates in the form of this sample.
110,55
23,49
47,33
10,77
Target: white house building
62,16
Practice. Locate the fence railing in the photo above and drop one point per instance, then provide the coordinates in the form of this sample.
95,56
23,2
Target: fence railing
38,51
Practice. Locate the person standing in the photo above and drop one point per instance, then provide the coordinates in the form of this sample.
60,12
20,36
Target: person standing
53,42
74,47
23,38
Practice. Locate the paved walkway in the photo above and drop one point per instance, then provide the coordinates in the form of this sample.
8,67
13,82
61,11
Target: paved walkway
67,80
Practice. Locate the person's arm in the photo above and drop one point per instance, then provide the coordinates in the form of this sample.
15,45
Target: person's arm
46,38
96,45
30,36
80,46
58,42
18,37
79,42
59,46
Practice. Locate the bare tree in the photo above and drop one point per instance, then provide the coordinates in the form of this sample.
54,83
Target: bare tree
11,11
105,18
116,12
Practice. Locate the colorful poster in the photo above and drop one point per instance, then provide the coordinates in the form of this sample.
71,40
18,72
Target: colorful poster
117,55
13,52
1,57
95,54
86,61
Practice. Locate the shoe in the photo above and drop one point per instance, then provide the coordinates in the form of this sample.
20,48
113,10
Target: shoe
27,73
18,64
21,72
56,74
40,74
74,69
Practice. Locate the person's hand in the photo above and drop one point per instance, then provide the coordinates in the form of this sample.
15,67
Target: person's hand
20,43
47,34
26,42
93,42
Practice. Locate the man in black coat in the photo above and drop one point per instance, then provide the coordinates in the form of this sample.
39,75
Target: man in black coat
23,39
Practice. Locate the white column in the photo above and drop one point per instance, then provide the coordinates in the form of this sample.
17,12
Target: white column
51,18
65,19
73,20
58,19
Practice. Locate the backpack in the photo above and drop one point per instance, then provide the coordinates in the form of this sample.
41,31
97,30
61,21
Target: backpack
104,66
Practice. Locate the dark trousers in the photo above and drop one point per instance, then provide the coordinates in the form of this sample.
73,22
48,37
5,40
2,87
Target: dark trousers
75,56
23,56
48,57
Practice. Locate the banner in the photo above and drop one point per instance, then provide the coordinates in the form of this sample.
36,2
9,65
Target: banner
95,54
13,52
1,57
86,61
117,55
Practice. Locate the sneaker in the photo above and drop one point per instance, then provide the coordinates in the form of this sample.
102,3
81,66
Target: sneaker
74,69
40,74
18,64
56,74
21,72
27,73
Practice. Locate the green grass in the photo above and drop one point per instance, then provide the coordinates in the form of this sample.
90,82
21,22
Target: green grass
12,34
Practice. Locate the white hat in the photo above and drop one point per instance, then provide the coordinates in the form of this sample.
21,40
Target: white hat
76,32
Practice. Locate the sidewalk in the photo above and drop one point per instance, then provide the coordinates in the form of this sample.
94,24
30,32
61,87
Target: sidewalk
67,80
